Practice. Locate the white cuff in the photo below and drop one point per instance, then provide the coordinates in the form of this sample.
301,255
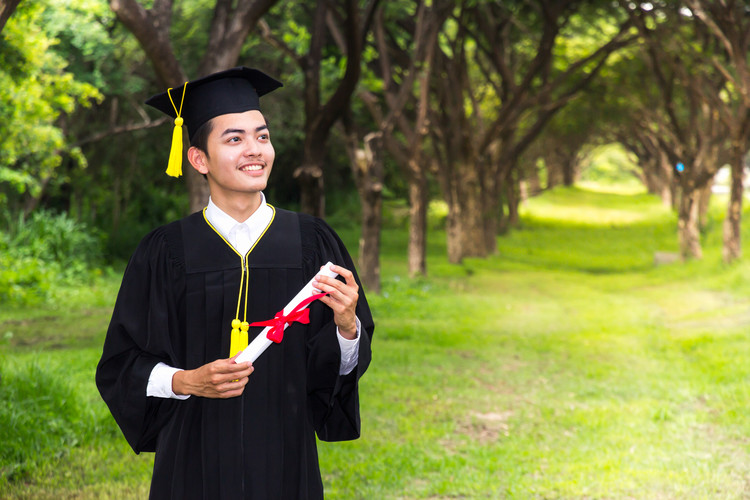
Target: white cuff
349,351
160,382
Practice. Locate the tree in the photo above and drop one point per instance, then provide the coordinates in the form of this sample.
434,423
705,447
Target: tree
728,23
330,22
405,36
37,91
503,73
369,172
563,141
657,171
684,119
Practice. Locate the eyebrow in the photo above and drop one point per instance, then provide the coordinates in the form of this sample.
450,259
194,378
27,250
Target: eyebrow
242,131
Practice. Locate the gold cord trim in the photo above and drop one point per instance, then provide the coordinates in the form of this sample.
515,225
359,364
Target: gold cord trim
238,338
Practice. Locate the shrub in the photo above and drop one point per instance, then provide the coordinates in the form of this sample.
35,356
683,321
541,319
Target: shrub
54,238
24,280
44,251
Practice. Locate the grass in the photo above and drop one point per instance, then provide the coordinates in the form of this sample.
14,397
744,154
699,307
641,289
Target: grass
566,366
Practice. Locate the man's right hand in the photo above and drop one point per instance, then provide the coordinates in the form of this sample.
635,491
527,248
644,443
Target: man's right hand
222,378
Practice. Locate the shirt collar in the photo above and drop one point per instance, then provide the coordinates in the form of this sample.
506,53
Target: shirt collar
224,223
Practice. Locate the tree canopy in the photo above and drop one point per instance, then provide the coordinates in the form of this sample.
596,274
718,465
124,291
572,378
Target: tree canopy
471,102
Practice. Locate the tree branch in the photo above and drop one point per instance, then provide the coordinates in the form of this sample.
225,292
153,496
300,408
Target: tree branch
121,129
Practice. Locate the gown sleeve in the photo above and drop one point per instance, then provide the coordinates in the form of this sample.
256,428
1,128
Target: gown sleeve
139,336
334,398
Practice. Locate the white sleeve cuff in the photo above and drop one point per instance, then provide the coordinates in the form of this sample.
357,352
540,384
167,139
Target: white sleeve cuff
349,351
160,382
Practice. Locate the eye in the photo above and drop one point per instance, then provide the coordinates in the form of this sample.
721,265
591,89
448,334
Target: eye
264,137
234,138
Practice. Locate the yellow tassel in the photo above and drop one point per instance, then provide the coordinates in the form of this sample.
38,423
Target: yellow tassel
174,167
238,339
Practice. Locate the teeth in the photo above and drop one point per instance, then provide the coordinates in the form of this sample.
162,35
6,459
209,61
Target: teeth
250,168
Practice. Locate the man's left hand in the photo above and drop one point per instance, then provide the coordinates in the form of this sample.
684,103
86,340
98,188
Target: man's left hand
342,299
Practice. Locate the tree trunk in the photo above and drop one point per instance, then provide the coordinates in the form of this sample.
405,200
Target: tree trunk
6,10
704,200
491,211
668,188
367,166
554,172
418,200
534,184
569,170
453,232
468,216
312,197
687,224
732,249
511,197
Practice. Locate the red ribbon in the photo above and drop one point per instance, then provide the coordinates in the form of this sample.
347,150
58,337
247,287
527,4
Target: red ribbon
298,314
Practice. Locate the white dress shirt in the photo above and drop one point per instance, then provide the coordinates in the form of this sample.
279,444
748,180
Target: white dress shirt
242,236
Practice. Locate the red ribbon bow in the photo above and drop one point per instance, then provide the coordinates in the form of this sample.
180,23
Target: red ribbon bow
298,314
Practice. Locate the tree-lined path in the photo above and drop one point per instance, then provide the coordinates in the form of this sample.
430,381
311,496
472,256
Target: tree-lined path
535,338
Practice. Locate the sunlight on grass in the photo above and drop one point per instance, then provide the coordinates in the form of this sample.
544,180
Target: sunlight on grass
622,188
577,206
568,365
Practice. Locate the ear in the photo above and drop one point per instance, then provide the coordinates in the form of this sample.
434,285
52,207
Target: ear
197,159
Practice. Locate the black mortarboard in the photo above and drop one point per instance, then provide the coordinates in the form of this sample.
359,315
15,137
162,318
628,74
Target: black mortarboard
231,91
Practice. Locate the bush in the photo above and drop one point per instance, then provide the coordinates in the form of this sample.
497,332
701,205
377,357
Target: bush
43,251
54,238
24,280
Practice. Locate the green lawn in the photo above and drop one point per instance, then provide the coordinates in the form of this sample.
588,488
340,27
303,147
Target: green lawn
566,366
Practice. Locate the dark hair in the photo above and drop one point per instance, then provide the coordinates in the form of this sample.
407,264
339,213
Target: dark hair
200,137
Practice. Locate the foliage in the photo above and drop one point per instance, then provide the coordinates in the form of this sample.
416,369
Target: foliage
43,252
610,164
24,280
36,91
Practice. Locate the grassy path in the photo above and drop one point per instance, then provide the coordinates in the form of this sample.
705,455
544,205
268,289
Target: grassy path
566,366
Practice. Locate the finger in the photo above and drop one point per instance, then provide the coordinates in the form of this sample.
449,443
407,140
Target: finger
220,380
245,372
235,390
333,286
230,365
234,385
344,273
339,293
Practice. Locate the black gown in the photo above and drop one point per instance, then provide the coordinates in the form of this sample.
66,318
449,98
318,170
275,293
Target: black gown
176,303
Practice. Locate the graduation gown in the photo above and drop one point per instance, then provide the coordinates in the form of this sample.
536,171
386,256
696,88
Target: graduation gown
175,305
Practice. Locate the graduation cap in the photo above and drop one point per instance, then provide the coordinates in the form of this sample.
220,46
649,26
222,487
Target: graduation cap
231,91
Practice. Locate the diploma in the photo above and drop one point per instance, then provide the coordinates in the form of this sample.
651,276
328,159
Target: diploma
289,314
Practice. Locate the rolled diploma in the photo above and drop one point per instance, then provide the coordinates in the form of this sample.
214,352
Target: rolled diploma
261,342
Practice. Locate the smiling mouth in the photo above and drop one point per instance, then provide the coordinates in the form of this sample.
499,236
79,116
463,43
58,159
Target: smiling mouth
251,168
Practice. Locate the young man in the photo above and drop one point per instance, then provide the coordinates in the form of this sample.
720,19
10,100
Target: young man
222,429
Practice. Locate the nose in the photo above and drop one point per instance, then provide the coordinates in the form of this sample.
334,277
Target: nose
252,148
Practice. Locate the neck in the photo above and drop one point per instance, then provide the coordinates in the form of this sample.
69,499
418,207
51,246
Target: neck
239,208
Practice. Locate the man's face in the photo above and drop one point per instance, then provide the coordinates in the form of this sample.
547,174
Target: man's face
240,155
